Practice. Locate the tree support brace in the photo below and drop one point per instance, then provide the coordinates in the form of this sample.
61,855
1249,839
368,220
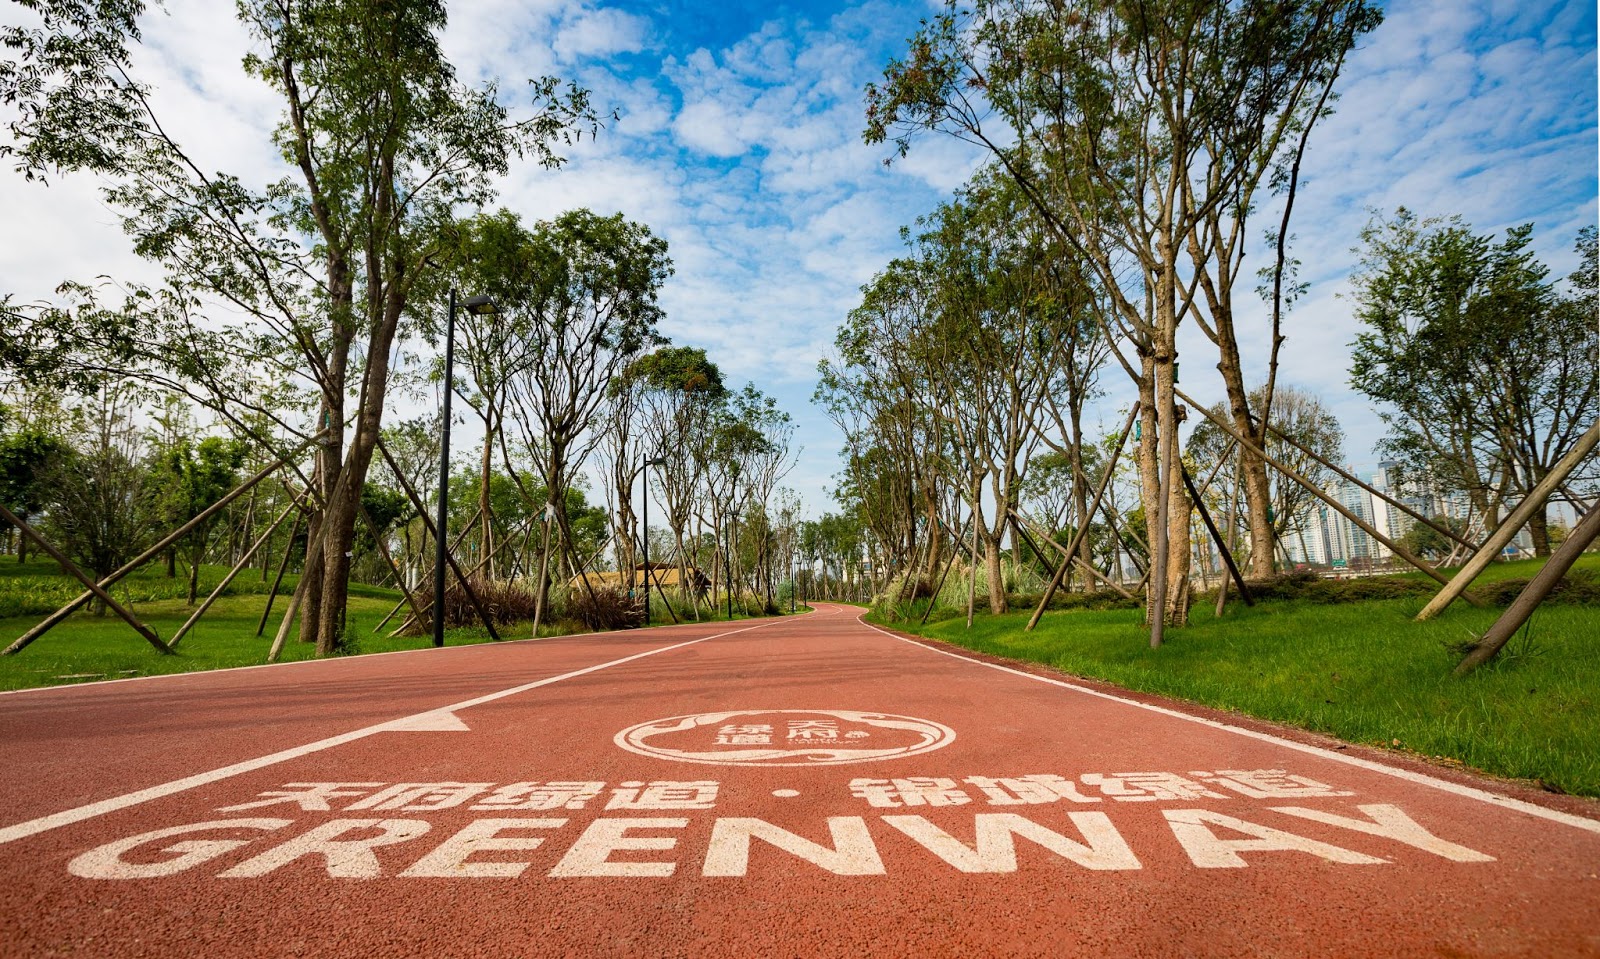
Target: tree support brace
1222,547
1508,529
84,578
1533,594
1083,526
1339,507
243,560
421,508
55,618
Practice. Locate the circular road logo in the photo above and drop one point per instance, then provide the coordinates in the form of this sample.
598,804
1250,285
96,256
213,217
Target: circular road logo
785,737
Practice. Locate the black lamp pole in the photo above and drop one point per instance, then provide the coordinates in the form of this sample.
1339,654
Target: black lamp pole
478,305
646,545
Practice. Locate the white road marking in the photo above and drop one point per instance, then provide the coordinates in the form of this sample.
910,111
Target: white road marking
1470,792
202,673
67,817
438,721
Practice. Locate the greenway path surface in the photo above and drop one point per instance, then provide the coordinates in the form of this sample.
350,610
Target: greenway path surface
806,786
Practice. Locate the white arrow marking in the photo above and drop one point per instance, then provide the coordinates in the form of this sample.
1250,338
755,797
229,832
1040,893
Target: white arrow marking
439,721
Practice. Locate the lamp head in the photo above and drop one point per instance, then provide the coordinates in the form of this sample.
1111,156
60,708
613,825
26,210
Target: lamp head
479,306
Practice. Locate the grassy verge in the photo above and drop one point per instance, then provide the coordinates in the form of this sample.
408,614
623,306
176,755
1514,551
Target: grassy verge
1363,672
85,648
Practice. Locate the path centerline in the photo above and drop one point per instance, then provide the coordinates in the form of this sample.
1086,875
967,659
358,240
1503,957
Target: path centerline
78,814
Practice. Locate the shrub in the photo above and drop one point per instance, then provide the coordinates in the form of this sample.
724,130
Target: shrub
609,607
1095,599
505,601
1578,587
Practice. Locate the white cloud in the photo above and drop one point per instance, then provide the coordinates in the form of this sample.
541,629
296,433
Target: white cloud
748,158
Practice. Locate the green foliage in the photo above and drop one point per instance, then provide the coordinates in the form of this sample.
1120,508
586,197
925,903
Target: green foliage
1362,671
192,476
1429,543
39,588
26,457
681,369
1442,308
104,507
86,648
63,79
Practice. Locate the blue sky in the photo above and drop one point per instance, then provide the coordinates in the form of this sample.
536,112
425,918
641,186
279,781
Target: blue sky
740,143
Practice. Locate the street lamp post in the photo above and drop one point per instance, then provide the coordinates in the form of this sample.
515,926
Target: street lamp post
654,462
479,306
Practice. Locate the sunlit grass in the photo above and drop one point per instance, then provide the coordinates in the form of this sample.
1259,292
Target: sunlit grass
1363,672
86,647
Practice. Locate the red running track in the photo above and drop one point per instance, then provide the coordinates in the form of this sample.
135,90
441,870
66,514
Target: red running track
808,786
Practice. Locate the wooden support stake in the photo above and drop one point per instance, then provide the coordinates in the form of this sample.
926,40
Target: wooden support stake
1424,520
288,620
56,617
277,581
1094,574
397,607
422,510
1084,522
1222,546
1339,507
651,574
249,554
406,596
84,578
1533,594
947,567
1519,517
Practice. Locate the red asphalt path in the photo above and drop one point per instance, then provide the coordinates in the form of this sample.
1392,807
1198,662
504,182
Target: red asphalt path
807,786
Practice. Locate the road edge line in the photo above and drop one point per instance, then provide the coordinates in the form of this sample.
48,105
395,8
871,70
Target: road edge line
1470,792
78,814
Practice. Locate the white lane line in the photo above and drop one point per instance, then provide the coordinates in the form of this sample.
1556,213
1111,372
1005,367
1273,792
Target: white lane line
67,817
1471,792
201,674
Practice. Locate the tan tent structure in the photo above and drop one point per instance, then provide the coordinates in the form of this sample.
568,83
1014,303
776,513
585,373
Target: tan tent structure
663,575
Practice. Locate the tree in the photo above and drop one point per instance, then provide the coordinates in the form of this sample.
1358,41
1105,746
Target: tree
1427,541
103,506
495,348
1300,416
28,457
675,392
1130,129
1487,375
382,145
588,286
191,476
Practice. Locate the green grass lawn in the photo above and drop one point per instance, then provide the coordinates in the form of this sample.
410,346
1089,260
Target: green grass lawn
86,648
1364,672
1514,569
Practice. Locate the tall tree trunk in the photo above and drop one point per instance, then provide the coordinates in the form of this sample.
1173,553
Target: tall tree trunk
997,583
1539,522
1149,467
486,536
1179,524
